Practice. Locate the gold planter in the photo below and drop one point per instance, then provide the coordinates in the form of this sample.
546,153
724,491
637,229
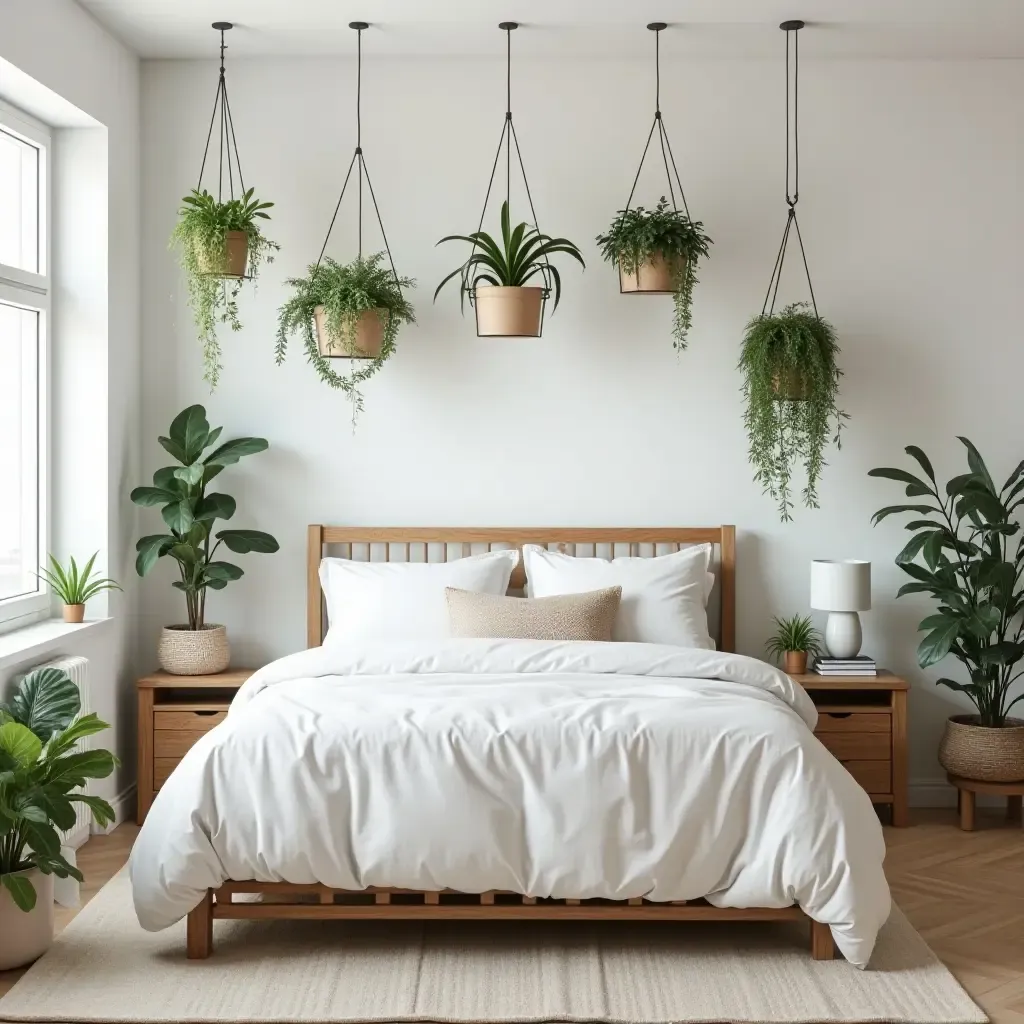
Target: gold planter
794,663
508,312
236,255
655,276
74,612
365,342
979,752
194,652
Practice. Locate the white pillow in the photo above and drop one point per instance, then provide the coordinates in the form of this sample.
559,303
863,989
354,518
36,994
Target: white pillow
404,600
663,599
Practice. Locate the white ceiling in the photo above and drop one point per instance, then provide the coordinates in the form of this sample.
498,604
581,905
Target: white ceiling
712,28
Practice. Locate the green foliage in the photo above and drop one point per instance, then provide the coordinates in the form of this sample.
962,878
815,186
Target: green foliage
345,291
966,552
74,586
190,512
523,254
791,349
41,775
794,634
201,235
637,234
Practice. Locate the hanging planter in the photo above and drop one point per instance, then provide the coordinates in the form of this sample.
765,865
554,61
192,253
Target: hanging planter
789,359
656,251
496,275
349,310
219,238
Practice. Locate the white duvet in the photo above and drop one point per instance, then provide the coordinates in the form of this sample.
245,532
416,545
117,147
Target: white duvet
551,769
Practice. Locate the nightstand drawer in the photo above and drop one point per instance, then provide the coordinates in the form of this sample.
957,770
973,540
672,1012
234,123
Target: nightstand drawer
188,721
162,768
854,721
858,746
174,742
874,776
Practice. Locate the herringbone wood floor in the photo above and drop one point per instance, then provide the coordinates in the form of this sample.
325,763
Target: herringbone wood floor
964,891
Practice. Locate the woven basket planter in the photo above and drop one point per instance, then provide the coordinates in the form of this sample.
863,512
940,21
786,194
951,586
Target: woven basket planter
974,751
194,652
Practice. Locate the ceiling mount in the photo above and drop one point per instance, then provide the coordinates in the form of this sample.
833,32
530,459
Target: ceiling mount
792,26
222,26
359,25
508,26
657,26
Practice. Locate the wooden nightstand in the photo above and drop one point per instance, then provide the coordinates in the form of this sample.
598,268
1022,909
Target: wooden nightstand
863,721
174,711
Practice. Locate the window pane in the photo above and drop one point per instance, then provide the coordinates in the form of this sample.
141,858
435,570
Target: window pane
19,451
19,203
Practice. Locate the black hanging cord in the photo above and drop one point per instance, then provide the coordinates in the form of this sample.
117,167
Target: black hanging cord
792,173
226,141
667,157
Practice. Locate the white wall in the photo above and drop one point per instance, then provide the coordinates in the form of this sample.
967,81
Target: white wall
57,62
912,214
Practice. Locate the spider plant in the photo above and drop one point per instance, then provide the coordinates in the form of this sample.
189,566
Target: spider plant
794,634
75,586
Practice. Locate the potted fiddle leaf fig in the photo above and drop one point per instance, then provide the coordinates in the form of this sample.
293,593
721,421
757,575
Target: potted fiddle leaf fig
789,363
193,541
220,245
656,252
966,552
42,776
495,275
346,311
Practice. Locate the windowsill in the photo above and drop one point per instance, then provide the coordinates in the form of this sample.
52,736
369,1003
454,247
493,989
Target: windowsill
39,638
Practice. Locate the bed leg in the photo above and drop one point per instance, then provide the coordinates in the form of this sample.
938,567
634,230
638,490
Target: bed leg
199,929
822,945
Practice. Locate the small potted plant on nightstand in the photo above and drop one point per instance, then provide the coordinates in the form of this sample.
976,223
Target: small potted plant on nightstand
75,586
794,640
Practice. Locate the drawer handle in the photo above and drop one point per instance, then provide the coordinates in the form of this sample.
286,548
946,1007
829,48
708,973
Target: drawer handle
206,712
838,714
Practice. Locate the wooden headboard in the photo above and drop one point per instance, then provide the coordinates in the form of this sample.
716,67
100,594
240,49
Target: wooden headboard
446,543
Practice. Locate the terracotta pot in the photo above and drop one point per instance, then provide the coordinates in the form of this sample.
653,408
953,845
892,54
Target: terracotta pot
794,663
74,612
655,276
508,312
979,752
365,342
236,256
25,937
789,386
194,652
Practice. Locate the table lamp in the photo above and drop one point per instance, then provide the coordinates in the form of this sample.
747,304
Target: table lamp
842,589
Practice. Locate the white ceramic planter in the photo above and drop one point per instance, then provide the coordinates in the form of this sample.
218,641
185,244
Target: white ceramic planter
25,937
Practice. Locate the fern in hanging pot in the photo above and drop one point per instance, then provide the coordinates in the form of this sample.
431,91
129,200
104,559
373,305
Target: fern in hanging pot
346,311
220,245
656,253
496,278
791,387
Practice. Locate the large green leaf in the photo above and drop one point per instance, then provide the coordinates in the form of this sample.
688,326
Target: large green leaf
101,810
244,541
46,701
78,768
901,475
222,571
21,890
150,549
20,743
79,729
891,509
178,516
912,548
148,496
175,450
189,430
231,451
1003,653
215,506
54,805
977,464
190,475
923,461
936,645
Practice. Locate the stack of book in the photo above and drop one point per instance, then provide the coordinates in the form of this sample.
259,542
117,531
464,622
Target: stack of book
859,666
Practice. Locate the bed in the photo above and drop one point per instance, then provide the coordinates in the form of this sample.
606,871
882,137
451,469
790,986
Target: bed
516,779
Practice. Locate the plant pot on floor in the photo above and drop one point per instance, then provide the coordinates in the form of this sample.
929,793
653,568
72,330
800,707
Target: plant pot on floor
74,612
794,663
26,935
194,652
655,276
236,255
364,342
508,312
974,751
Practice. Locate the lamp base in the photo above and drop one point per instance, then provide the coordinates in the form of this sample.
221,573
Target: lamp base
843,634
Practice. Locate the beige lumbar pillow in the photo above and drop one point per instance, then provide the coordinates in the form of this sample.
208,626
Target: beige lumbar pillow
587,616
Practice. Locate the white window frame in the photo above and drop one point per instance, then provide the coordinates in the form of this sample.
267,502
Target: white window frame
33,291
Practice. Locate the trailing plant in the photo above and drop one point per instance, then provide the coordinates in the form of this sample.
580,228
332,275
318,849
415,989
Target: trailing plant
345,291
201,235
791,386
191,513
966,552
41,777
637,235
522,255
74,586
794,634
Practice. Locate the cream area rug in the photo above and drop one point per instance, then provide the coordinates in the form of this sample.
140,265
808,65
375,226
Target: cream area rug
103,967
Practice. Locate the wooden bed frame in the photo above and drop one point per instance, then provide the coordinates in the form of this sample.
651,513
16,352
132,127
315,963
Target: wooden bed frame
294,901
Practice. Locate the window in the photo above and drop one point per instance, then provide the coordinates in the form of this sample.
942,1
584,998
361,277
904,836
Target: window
24,311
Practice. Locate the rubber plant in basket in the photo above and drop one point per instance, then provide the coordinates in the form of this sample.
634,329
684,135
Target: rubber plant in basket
220,245
496,278
791,387
192,541
346,311
794,640
656,252
966,552
42,774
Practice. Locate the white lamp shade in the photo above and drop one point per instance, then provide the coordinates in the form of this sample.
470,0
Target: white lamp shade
840,586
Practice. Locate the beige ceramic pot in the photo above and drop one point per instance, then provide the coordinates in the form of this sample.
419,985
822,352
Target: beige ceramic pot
789,386
74,612
794,663
365,342
25,937
508,312
194,652
235,258
655,276
982,753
